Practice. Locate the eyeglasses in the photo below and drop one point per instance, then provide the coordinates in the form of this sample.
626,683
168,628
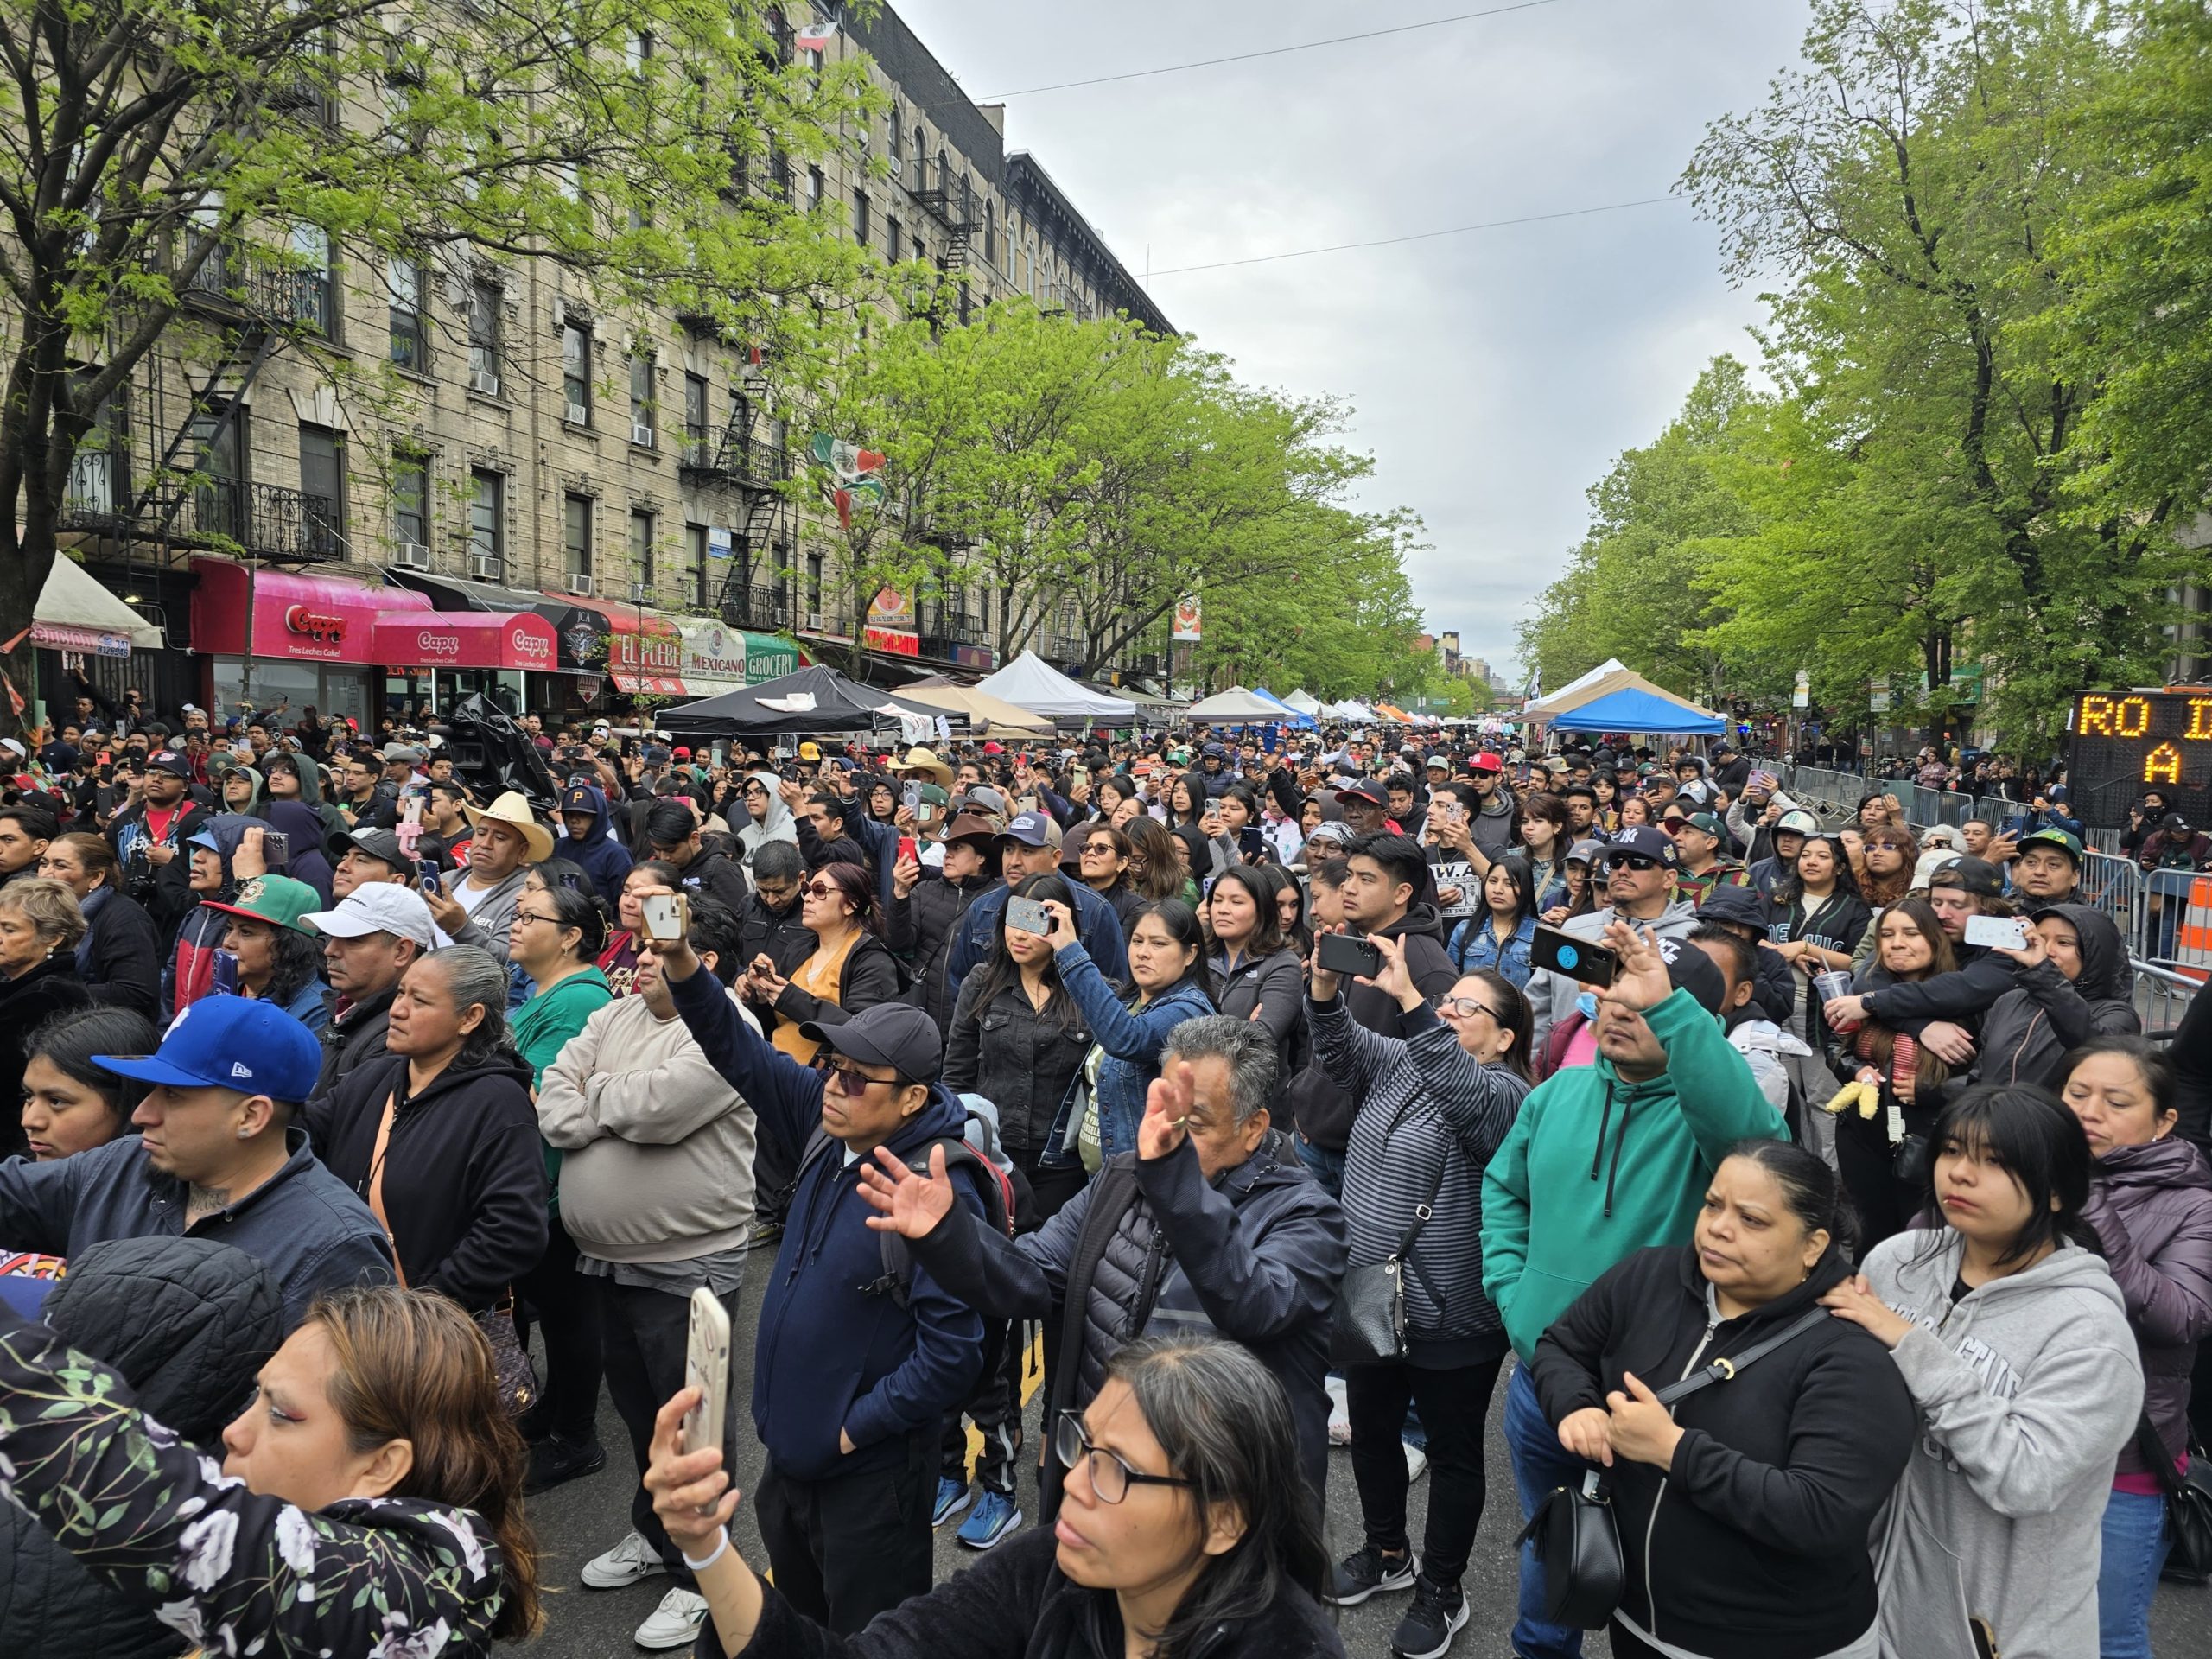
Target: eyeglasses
1631,861
819,889
1461,1008
1110,1477
851,1080
532,915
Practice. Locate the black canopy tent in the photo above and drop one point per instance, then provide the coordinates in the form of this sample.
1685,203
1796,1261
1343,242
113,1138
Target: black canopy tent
814,702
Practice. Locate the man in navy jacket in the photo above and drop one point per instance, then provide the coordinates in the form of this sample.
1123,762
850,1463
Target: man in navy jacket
853,1368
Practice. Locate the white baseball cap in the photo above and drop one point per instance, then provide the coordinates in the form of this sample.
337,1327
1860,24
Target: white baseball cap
377,907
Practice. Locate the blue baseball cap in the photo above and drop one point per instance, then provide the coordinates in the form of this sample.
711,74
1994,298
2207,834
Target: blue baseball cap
229,1042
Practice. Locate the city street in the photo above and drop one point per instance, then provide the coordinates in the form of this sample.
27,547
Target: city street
576,1522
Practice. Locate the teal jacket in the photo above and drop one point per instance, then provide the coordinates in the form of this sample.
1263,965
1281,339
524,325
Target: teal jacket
540,1028
1596,1168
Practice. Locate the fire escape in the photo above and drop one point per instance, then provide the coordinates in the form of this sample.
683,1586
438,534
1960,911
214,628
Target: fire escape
749,458
955,213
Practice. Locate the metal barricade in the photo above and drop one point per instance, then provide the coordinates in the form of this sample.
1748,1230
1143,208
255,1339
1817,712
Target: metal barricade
2104,841
2115,885
2162,995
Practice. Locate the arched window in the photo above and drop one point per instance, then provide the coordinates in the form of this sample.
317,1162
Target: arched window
990,235
896,146
919,162
945,175
966,199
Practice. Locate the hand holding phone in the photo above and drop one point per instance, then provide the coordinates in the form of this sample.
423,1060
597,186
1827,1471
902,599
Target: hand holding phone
1028,915
1349,954
666,915
706,1368
1583,960
1997,932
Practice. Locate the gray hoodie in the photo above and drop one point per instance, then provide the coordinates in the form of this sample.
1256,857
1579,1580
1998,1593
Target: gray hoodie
778,825
2027,1389
1551,997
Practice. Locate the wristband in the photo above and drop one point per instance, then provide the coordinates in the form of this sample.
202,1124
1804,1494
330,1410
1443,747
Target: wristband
713,1556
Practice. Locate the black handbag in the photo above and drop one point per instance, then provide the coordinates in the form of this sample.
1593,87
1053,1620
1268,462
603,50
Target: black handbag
1578,1543
2189,1507
1368,1324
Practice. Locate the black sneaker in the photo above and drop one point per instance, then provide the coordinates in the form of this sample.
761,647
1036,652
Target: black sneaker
1438,1614
554,1460
1356,1578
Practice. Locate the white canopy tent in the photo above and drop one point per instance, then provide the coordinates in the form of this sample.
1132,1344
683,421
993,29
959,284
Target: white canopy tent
1350,709
74,612
1236,706
1303,701
1030,683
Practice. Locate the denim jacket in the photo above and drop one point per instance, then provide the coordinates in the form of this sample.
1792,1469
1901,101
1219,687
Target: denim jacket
1132,1038
1474,945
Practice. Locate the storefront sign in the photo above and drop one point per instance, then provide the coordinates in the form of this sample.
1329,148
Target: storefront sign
465,640
57,636
891,641
303,618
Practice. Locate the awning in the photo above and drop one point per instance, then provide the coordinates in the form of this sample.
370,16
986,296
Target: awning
580,631
519,639
74,612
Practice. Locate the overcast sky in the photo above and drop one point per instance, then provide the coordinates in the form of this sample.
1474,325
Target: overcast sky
1493,376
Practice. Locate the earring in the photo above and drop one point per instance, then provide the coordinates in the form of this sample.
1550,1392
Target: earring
243,1135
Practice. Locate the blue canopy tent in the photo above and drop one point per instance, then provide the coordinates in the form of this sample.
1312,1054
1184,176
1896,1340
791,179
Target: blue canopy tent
1623,701
1290,716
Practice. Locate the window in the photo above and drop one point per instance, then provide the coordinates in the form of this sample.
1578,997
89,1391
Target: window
322,492
484,357
636,49
814,584
576,535
990,235
576,373
945,177
641,547
643,426
813,188
410,501
895,148
410,339
695,446
694,554
891,248
859,216
487,523
312,288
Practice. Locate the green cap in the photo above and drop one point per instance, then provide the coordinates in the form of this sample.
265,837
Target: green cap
2054,837
278,899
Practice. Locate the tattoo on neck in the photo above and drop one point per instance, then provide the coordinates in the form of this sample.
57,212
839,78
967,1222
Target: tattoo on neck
200,1200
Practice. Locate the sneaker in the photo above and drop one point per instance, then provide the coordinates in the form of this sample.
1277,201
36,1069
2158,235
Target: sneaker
1416,1462
765,1232
995,1517
1438,1614
676,1622
1339,1413
554,1460
628,1562
1356,1578
953,1496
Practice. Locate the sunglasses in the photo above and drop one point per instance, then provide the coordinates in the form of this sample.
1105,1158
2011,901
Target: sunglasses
1631,861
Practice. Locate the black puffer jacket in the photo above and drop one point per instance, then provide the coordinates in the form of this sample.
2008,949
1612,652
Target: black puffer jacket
187,1322
120,959
2028,1030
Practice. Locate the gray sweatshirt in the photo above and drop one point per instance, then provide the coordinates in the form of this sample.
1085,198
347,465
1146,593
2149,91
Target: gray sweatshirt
659,1164
1551,997
2027,1389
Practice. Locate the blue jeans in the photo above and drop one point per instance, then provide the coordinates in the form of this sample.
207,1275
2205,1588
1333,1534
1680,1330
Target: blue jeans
1328,1167
2135,1545
1539,1465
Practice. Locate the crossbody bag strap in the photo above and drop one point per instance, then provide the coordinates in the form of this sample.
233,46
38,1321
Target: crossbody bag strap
1726,1370
376,1181
2152,1451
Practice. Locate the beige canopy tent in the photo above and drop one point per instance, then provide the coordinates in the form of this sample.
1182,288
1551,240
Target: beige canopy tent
74,612
1618,699
987,716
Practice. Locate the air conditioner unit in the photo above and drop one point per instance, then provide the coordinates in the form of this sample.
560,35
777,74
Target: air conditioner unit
484,380
487,567
641,433
814,621
577,415
640,592
413,555
581,585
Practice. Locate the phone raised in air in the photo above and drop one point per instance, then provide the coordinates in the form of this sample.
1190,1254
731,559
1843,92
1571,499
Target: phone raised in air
1997,932
1579,959
1028,915
706,1368
667,916
1346,953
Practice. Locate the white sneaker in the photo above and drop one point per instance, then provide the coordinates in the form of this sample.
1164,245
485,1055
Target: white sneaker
675,1623
1340,1412
628,1562
1416,1462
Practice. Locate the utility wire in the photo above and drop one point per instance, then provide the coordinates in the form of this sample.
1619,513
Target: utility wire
1419,236
1269,52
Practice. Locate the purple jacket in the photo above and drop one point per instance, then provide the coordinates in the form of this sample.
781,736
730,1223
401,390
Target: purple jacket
2151,1206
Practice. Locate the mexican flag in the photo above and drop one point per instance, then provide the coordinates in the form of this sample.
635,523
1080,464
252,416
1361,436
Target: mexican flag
816,36
848,461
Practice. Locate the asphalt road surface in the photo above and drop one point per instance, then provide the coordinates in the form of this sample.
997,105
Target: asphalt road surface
577,1521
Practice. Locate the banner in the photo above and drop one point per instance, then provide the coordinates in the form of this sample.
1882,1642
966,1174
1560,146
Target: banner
1187,618
1457,873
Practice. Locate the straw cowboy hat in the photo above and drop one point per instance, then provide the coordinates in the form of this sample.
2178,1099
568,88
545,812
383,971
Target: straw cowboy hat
512,810
925,762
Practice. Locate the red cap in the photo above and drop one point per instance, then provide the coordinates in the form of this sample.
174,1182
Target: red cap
683,755
1487,762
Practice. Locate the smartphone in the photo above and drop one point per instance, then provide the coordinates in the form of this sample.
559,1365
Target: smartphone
1028,915
908,850
911,795
1579,959
225,980
275,847
1345,953
706,1368
1025,802
667,915
1997,932
426,874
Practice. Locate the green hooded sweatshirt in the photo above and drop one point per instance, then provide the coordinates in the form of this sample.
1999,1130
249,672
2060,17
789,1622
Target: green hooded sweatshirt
540,1028
1596,1168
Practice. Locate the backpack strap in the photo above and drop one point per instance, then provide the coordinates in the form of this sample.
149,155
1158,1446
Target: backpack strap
898,1277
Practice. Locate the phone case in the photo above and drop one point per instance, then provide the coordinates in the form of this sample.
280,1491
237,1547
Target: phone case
706,1368
1343,954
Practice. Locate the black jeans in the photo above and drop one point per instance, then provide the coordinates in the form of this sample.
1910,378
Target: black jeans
561,1304
846,1548
1454,1404
992,1407
646,1333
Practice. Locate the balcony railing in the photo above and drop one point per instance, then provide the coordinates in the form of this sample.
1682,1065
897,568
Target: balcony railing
749,462
95,499
749,605
946,631
263,519
230,279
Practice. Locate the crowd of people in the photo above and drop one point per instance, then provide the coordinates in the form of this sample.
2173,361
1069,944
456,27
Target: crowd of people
1303,1091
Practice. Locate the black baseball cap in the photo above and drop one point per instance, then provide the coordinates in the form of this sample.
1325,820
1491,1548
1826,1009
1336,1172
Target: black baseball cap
890,1033
1363,788
171,762
1646,839
377,843
1691,969
1975,875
